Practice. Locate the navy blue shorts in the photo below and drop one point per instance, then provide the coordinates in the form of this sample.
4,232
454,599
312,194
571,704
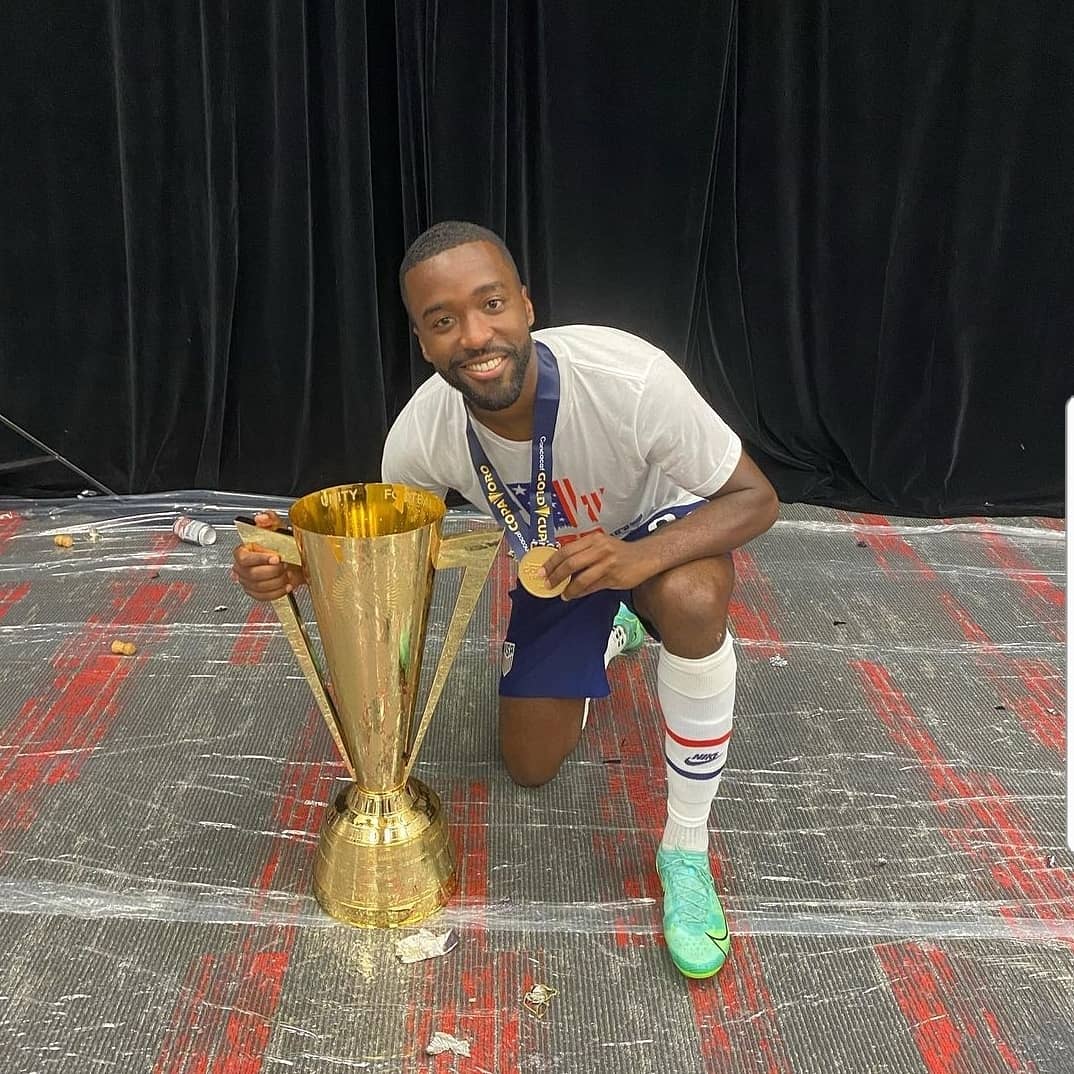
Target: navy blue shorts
555,648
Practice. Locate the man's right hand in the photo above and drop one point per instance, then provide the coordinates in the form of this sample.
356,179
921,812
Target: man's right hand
261,573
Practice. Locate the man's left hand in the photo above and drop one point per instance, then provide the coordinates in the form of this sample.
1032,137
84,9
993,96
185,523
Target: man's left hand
596,561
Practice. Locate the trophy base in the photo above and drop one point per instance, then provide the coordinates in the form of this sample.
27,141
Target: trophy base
384,860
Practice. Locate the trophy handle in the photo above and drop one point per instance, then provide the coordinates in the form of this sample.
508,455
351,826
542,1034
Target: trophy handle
475,553
283,543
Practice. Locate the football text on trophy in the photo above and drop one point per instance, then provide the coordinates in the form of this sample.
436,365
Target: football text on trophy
370,553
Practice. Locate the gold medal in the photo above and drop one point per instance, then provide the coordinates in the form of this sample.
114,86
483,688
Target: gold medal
535,583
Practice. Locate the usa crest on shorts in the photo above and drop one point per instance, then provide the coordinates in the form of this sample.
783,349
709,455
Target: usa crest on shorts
508,660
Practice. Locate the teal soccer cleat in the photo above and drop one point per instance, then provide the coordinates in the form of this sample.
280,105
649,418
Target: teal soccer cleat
630,625
694,925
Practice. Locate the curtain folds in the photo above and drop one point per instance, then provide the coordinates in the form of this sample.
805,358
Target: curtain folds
849,223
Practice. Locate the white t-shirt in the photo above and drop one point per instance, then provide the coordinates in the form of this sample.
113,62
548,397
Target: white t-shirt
632,436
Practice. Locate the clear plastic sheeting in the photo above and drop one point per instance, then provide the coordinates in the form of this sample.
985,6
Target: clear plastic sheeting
888,838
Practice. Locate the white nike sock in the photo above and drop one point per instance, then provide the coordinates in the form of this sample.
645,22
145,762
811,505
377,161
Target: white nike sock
698,699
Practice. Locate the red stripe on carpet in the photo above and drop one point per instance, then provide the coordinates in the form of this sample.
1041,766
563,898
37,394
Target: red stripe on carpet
888,548
1047,727
510,1016
1042,680
480,1003
223,1018
255,635
952,1032
57,730
468,824
735,1015
978,814
1039,591
1002,1043
971,629
629,732
249,1022
482,1008
1040,713
222,1022
629,725
422,1014
941,1042
191,1019
485,1011
1040,709
754,609
10,524
11,595
305,789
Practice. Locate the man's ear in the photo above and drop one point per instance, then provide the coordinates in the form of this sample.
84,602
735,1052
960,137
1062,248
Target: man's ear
530,317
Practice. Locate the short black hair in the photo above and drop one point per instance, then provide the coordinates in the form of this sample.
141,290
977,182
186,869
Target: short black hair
446,236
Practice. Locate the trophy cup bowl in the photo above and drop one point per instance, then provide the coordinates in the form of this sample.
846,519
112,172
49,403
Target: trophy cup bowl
370,553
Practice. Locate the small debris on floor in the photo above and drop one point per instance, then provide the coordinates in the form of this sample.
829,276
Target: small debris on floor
124,648
63,540
777,661
863,544
536,1000
94,536
220,608
445,1042
1051,861
424,944
839,622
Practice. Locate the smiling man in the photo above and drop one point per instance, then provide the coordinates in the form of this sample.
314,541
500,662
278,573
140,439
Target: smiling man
621,491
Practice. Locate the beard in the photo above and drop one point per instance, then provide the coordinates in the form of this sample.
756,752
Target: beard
500,393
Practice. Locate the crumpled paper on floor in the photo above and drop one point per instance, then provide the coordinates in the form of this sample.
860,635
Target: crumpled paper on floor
445,1042
423,944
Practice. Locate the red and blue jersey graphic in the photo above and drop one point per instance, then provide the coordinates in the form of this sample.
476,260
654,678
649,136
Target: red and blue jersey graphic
570,508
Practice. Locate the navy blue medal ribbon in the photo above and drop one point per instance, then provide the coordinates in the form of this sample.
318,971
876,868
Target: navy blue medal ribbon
526,532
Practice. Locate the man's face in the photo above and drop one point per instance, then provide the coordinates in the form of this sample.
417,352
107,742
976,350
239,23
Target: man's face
472,318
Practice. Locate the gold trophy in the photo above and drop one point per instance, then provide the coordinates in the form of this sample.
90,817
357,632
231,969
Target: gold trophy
370,553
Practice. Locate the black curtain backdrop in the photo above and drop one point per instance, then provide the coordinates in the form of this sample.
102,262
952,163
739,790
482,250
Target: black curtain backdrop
850,223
